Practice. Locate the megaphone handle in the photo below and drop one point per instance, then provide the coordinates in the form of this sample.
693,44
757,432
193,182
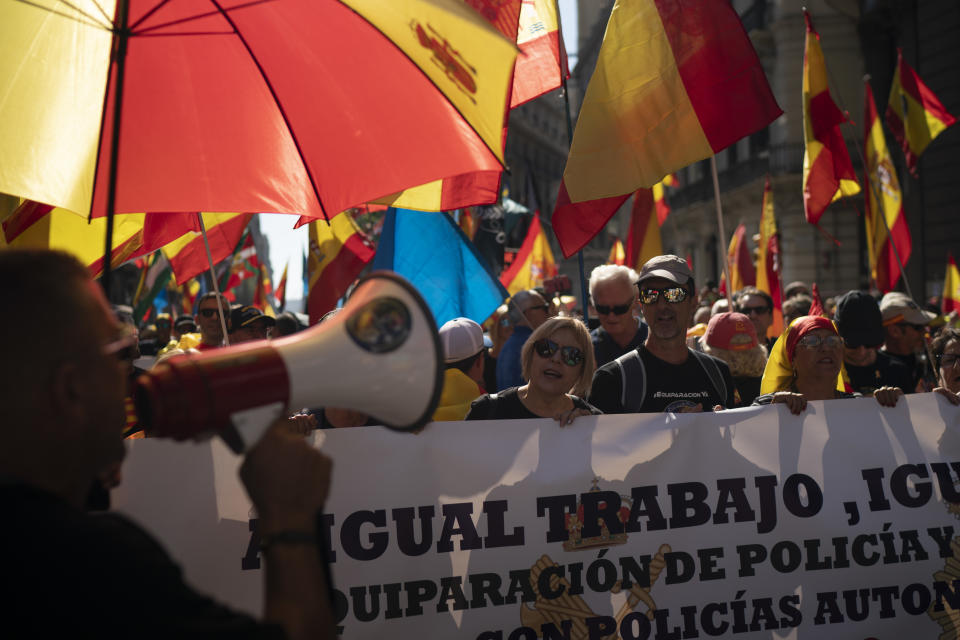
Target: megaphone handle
325,560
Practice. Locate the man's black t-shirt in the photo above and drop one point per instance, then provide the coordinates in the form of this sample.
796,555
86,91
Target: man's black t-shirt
665,386
885,371
606,349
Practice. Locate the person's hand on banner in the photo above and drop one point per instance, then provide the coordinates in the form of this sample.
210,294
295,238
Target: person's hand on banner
567,417
796,402
342,418
697,408
888,396
954,398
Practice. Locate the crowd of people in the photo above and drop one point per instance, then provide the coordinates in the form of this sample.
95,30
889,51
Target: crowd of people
659,346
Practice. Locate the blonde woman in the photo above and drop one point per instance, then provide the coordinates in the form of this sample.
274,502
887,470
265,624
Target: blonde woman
557,362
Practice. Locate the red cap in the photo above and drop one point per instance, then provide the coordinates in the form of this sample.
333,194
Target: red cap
732,331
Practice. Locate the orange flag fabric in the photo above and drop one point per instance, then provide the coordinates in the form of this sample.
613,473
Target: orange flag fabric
617,253
914,113
338,252
534,262
675,82
643,238
281,294
887,232
660,196
827,171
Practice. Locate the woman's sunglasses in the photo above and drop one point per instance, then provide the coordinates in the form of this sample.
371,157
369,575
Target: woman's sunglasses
670,294
545,348
811,341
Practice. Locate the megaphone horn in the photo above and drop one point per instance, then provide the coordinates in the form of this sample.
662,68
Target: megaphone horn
380,355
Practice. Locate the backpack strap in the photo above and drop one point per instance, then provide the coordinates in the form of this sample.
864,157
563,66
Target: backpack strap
713,373
633,376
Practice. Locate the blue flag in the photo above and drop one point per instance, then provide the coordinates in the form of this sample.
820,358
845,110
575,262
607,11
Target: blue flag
430,250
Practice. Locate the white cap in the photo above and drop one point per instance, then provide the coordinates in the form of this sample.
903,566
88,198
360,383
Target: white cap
461,338
898,307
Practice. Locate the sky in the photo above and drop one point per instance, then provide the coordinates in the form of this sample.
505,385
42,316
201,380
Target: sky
288,245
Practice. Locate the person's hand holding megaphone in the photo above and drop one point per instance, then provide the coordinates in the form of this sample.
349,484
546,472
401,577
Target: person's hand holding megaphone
288,482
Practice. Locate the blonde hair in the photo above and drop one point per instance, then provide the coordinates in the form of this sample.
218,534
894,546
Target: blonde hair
584,343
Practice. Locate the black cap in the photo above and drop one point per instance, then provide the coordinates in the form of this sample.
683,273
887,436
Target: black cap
247,315
182,321
859,320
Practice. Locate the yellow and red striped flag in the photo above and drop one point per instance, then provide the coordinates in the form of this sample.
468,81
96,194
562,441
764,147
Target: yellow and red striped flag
338,252
263,291
660,197
675,82
542,63
743,273
827,171
534,262
951,287
914,113
643,238
617,253
885,212
768,258
281,295
188,254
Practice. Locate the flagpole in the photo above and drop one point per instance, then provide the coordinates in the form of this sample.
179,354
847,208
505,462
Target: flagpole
723,234
566,102
213,277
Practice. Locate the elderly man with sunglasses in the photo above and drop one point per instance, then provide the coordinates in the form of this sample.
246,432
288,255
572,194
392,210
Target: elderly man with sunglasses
905,327
663,374
613,291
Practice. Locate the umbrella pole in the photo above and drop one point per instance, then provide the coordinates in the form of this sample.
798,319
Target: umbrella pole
120,40
213,277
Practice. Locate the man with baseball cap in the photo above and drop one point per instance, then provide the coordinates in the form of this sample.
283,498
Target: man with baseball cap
247,323
860,324
663,374
905,326
462,341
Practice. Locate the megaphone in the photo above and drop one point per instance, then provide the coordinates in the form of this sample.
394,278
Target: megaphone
380,355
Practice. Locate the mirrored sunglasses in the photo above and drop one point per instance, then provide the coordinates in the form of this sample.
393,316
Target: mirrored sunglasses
670,294
545,348
811,341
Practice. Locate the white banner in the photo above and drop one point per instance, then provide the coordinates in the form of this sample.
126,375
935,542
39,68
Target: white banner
754,523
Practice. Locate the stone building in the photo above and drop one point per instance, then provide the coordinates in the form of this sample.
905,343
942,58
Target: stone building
857,37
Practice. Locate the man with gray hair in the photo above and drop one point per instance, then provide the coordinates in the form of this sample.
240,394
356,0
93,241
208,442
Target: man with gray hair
613,290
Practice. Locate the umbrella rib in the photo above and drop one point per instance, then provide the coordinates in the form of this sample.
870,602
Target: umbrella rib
276,100
186,33
198,16
90,20
102,11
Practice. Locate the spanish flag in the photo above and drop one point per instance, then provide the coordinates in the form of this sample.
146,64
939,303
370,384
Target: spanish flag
742,271
951,287
617,254
768,258
675,82
883,206
534,262
281,294
338,252
827,172
542,63
188,254
643,238
914,113
660,197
